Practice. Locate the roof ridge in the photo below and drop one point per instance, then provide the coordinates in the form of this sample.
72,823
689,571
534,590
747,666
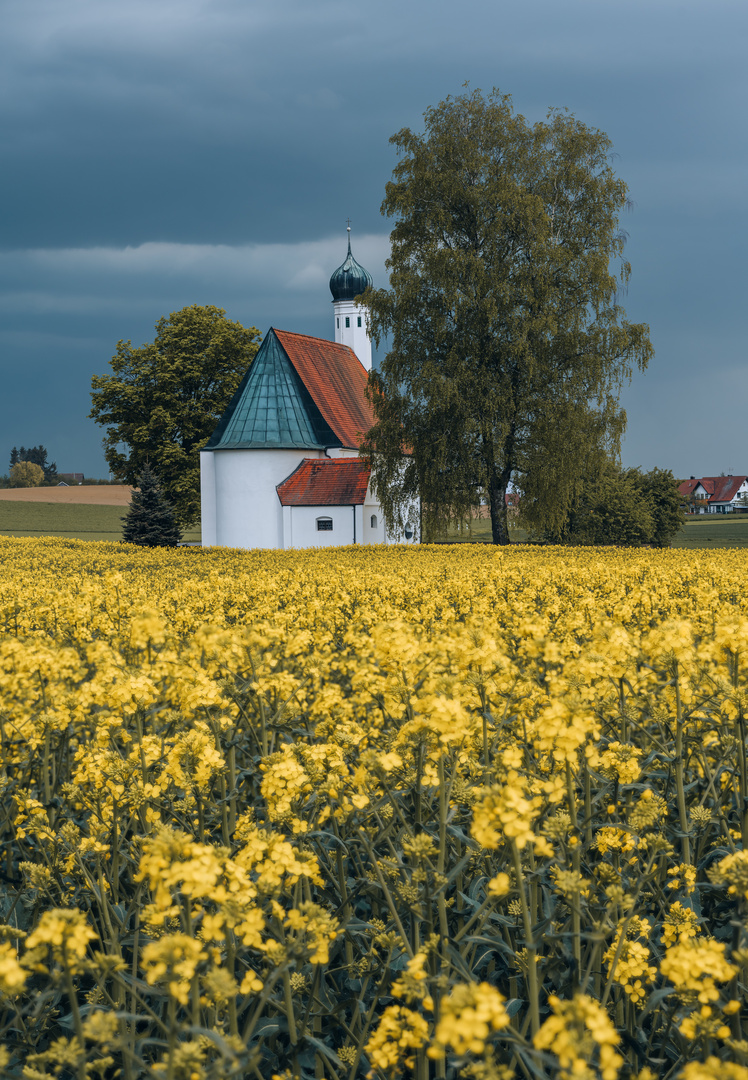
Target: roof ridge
325,341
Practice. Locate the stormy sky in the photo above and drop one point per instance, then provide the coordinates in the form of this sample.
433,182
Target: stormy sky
159,153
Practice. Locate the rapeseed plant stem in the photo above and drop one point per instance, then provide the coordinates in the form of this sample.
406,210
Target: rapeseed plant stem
289,1009
172,1034
743,771
533,990
442,855
387,895
679,768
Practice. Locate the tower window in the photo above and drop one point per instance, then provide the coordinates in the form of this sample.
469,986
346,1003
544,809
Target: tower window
373,521
359,320
324,524
347,321
338,322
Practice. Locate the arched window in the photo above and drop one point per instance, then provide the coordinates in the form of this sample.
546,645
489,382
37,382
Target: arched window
324,524
373,521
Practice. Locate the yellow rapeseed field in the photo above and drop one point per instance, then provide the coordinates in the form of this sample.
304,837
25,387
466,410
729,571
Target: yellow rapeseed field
427,812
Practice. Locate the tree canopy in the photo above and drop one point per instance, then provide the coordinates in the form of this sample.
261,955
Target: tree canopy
25,474
37,455
507,345
162,401
625,507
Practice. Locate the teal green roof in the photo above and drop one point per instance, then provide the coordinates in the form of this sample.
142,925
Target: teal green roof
272,408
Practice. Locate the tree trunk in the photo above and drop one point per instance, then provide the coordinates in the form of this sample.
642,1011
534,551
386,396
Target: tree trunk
497,486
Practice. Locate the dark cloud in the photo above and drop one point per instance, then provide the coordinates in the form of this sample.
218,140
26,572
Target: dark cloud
175,136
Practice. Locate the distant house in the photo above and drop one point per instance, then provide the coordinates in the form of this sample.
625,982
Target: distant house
70,478
715,494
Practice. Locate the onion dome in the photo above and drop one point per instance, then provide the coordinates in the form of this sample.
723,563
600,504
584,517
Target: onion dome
350,279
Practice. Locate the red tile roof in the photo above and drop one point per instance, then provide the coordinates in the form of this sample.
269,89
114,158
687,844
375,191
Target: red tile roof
718,488
724,488
325,482
336,380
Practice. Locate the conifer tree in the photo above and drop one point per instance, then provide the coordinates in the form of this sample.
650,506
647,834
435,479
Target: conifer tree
150,520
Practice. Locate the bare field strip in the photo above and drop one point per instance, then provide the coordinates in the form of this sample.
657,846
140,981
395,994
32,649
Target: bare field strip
91,494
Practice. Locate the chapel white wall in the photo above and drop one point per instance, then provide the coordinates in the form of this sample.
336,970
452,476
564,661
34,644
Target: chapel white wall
302,531
207,499
354,335
246,510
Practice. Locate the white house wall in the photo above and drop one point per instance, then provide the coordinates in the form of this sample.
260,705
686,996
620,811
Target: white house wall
246,509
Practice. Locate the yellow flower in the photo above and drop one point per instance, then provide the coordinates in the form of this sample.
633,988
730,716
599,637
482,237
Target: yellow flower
12,975
697,966
63,933
621,761
466,1019
629,961
173,959
611,839
679,925
683,877
499,886
400,1031
582,1037
412,984
506,813
713,1069
732,871
315,930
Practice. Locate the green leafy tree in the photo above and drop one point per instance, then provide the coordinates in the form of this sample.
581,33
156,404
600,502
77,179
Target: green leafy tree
625,507
507,345
611,510
37,454
150,519
660,488
163,400
26,474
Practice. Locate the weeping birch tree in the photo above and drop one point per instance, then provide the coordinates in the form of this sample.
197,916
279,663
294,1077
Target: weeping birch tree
508,348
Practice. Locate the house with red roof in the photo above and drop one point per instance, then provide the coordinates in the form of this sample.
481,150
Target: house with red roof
715,494
282,468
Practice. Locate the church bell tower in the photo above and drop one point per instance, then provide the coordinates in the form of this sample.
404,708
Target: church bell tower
351,328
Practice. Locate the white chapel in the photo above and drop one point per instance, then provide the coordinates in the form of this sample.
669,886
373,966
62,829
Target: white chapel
282,468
